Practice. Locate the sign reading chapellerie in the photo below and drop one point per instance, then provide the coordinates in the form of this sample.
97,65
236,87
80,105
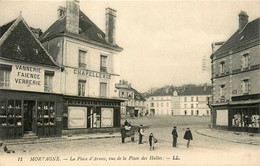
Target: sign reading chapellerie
92,73
28,75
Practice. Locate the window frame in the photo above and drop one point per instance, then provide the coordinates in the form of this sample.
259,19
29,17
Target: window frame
84,59
82,87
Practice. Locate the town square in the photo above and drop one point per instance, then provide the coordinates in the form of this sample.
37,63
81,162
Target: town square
86,82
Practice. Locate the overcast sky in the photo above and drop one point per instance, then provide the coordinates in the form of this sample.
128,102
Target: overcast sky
164,41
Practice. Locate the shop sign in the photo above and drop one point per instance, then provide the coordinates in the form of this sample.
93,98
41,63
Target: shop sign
88,73
28,76
77,117
222,117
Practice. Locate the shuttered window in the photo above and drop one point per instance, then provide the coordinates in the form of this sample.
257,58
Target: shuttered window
103,89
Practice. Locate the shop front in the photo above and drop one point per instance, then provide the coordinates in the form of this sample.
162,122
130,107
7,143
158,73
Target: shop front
88,115
24,112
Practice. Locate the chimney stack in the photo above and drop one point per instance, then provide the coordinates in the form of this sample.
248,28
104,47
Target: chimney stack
72,16
111,26
243,20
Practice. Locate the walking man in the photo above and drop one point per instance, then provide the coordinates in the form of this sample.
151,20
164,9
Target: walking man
123,133
175,136
188,136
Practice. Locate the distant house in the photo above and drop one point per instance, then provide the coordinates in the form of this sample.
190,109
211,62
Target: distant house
236,79
134,104
189,100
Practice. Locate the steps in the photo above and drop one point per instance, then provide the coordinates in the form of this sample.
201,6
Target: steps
30,136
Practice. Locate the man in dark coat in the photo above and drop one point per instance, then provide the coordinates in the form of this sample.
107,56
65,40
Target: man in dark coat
123,133
188,137
141,134
175,136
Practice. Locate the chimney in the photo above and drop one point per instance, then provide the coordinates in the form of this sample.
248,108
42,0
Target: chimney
61,11
72,19
111,26
37,32
243,20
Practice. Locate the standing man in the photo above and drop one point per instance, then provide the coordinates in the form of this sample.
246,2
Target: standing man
188,136
141,134
175,136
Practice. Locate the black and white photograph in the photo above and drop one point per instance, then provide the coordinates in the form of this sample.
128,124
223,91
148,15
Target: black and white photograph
129,82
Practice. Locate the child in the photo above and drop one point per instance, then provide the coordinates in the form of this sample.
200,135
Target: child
152,141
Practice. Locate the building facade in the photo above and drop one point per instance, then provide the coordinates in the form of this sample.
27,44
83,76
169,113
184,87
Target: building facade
134,103
89,61
30,101
236,77
160,105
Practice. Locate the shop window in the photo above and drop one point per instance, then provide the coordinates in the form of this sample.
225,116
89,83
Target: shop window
77,117
103,63
81,87
48,81
82,59
245,61
103,89
245,86
107,117
5,71
222,67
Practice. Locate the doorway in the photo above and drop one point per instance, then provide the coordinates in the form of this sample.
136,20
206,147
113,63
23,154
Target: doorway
28,115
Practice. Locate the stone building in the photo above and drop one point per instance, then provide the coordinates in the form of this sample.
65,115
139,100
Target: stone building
236,77
30,94
89,61
134,102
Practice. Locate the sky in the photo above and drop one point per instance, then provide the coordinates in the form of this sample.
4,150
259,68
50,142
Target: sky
164,41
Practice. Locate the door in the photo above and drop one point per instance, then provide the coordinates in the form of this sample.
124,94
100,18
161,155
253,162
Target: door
28,116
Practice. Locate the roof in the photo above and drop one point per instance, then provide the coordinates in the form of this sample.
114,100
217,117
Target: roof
18,43
251,31
88,31
196,90
137,95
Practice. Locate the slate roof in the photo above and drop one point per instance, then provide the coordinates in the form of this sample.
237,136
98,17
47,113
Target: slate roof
137,95
88,31
196,90
18,43
251,31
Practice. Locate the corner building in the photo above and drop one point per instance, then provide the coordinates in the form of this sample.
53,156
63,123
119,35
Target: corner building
236,78
89,61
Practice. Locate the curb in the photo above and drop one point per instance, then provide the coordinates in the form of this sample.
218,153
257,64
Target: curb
239,142
58,140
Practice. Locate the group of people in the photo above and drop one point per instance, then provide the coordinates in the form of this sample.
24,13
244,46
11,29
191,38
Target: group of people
187,136
127,130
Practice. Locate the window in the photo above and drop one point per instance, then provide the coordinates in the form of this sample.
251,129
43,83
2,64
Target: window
81,87
197,112
48,81
103,63
103,89
185,99
161,104
82,59
157,104
245,61
152,104
245,86
167,104
222,67
197,98
191,106
197,105
191,112
107,117
185,105
5,76
191,98
222,90
185,112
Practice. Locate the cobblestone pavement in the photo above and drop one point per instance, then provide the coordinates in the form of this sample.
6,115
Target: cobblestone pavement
204,150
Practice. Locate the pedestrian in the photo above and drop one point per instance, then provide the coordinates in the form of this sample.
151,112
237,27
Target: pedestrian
123,133
141,134
188,136
175,136
152,141
132,133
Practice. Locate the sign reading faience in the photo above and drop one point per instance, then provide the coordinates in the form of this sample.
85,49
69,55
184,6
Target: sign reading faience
28,75
92,73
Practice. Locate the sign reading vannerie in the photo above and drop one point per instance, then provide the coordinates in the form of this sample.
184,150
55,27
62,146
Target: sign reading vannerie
92,73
